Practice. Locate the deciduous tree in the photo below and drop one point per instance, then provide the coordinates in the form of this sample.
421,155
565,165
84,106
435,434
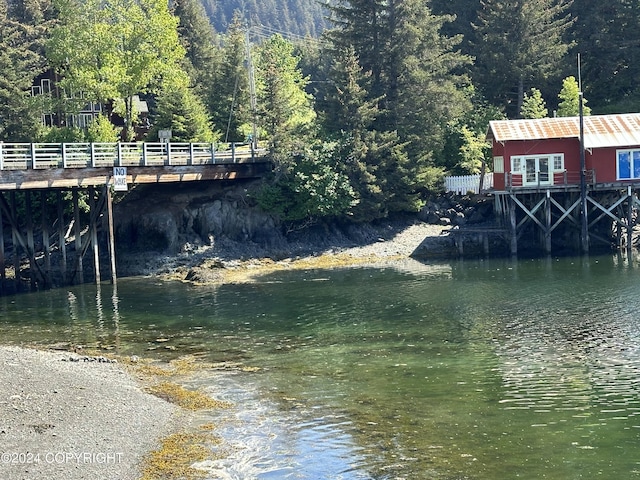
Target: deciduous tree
533,105
114,49
569,96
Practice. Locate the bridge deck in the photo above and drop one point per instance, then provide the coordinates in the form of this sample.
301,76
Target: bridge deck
65,165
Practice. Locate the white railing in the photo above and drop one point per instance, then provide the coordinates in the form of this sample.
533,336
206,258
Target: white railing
464,184
23,156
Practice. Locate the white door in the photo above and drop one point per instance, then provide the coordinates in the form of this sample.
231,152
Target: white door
537,171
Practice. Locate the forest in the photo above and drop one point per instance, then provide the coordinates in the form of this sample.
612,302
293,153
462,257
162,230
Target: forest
364,105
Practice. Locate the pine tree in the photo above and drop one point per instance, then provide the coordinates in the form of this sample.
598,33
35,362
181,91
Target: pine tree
519,43
607,37
181,111
533,105
199,41
285,110
20,62
228,98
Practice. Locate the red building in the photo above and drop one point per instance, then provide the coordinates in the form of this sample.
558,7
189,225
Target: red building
545,153
537,180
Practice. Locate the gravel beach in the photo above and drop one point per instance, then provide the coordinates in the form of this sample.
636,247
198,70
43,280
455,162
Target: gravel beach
63,417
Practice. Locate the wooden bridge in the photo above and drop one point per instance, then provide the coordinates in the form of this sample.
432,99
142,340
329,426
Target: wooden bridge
66,165
40,173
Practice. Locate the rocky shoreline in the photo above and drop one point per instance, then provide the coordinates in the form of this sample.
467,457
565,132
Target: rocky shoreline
201,234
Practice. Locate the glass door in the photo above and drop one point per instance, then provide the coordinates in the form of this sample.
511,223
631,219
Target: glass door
537,171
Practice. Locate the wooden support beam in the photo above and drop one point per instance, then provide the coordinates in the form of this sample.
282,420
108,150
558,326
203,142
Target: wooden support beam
11,212
112,243
62,242
2,265
93,231
514,231
629,220
530,213
46,245
79,270
547,229
31,250
606,211
566,213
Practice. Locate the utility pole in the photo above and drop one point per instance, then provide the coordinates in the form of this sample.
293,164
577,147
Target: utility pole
252,92
584,237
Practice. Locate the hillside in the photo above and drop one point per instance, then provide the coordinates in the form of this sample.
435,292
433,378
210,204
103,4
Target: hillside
297,17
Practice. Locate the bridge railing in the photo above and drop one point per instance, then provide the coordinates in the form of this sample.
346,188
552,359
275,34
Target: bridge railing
23,156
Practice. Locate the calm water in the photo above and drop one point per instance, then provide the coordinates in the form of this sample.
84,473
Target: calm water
466,370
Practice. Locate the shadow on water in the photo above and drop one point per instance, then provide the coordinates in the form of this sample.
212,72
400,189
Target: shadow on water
477,369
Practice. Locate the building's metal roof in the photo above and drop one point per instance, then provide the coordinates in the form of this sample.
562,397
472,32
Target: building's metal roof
599,130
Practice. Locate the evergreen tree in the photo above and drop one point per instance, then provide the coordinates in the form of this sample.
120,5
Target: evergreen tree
569,96
533,105
607,36
228,98
285,109
518,43
181,111
199,41
20,63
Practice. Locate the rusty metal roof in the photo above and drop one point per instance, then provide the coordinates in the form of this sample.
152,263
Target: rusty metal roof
620,130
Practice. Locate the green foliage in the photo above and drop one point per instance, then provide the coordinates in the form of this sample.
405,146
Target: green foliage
533,105
315,189
465,137
285,110
569,96
301,18
518,43
127,49
20,63
227,97
63,134
180,110
473,151
102,130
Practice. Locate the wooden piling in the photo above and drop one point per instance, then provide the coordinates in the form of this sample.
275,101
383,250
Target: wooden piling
93,230
112,243
514,232
14,240
78,233
62,243
2,265
46,246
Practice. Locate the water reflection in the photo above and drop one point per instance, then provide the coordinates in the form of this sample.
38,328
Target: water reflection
473,369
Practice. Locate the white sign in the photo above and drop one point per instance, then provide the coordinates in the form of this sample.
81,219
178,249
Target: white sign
120,179
164,135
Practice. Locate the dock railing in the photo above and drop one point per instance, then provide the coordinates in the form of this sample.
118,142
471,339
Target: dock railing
37,156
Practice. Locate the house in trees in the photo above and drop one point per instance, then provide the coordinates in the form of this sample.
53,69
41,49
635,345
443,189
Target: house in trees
545,153
540,187
71,109
60,108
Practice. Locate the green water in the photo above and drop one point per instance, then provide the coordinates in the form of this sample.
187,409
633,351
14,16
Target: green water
467,370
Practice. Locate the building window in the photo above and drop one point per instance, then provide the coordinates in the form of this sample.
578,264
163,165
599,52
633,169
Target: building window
558,163
628,164
516,164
